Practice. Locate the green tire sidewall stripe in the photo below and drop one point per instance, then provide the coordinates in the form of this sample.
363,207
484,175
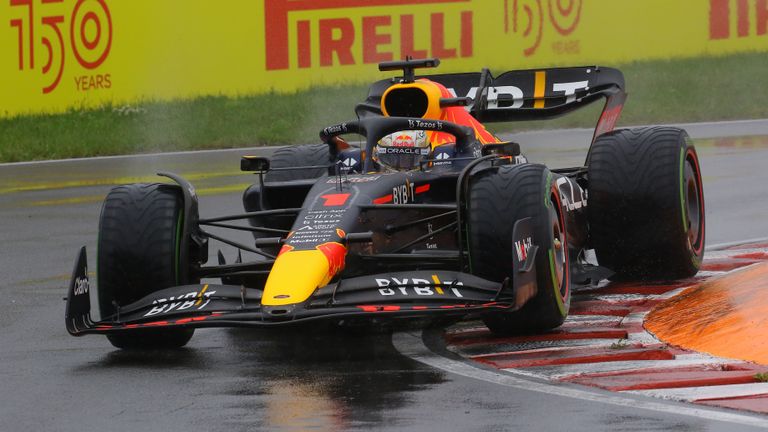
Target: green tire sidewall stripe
177,264
551,251
558,295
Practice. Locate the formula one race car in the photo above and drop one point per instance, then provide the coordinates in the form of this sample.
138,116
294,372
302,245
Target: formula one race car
431,217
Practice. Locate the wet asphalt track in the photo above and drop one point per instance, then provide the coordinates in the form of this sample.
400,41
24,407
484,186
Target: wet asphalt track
245,380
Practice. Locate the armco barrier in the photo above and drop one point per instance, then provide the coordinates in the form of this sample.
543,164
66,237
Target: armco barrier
62,54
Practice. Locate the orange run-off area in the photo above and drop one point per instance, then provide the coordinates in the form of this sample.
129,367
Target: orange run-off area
725,317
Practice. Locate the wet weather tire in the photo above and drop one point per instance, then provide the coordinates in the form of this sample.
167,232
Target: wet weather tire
646,203
138,253
499,197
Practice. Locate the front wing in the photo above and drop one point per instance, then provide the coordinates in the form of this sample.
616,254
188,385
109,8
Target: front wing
415,294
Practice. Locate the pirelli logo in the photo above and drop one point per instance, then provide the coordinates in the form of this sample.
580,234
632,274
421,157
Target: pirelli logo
295,37
737,18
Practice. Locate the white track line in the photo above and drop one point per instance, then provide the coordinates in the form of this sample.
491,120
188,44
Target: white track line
643,337
594,319
585,323
574,370
690,394
730,254
411,345
719,246
545,351
635,318
537,345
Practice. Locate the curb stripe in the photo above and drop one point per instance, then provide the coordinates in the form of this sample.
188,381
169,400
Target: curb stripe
634,373
589,356
691,394
411,345
603,344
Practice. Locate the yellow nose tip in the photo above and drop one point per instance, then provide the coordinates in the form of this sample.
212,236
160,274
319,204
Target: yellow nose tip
294,277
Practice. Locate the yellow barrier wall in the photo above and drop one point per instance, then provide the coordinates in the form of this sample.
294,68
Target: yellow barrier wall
60,54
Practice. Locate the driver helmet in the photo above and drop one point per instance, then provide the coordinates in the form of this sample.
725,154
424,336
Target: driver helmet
403,150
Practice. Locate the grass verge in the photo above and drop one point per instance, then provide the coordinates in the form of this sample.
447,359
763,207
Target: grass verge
665,91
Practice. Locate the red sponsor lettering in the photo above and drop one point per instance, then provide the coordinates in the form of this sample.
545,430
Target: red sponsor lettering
305,51
372,39
762,17
407,41
438,38
90,39
720,13
743,19
530,19
336,37
719,16
467,46
19,24
333,200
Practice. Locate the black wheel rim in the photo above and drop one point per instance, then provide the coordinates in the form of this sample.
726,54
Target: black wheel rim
693,204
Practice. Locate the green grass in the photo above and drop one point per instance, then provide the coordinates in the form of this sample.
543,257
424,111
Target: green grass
699,89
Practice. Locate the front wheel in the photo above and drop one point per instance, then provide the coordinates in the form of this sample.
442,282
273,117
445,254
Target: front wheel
498,198
138,253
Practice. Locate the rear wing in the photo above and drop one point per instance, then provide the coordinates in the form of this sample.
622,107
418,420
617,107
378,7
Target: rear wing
536,94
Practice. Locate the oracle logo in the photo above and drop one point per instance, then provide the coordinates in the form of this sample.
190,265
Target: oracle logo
336,36
90,38
720,18
531,18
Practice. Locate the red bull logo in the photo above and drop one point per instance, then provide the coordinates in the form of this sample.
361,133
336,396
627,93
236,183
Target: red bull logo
404,140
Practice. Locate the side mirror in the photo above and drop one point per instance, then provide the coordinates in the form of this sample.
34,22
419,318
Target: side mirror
501,149
254,164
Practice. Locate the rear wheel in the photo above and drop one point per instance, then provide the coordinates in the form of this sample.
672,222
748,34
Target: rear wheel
646,203
140,233
498,198
298,156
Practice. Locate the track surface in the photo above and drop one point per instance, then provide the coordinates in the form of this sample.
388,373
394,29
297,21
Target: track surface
251,380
